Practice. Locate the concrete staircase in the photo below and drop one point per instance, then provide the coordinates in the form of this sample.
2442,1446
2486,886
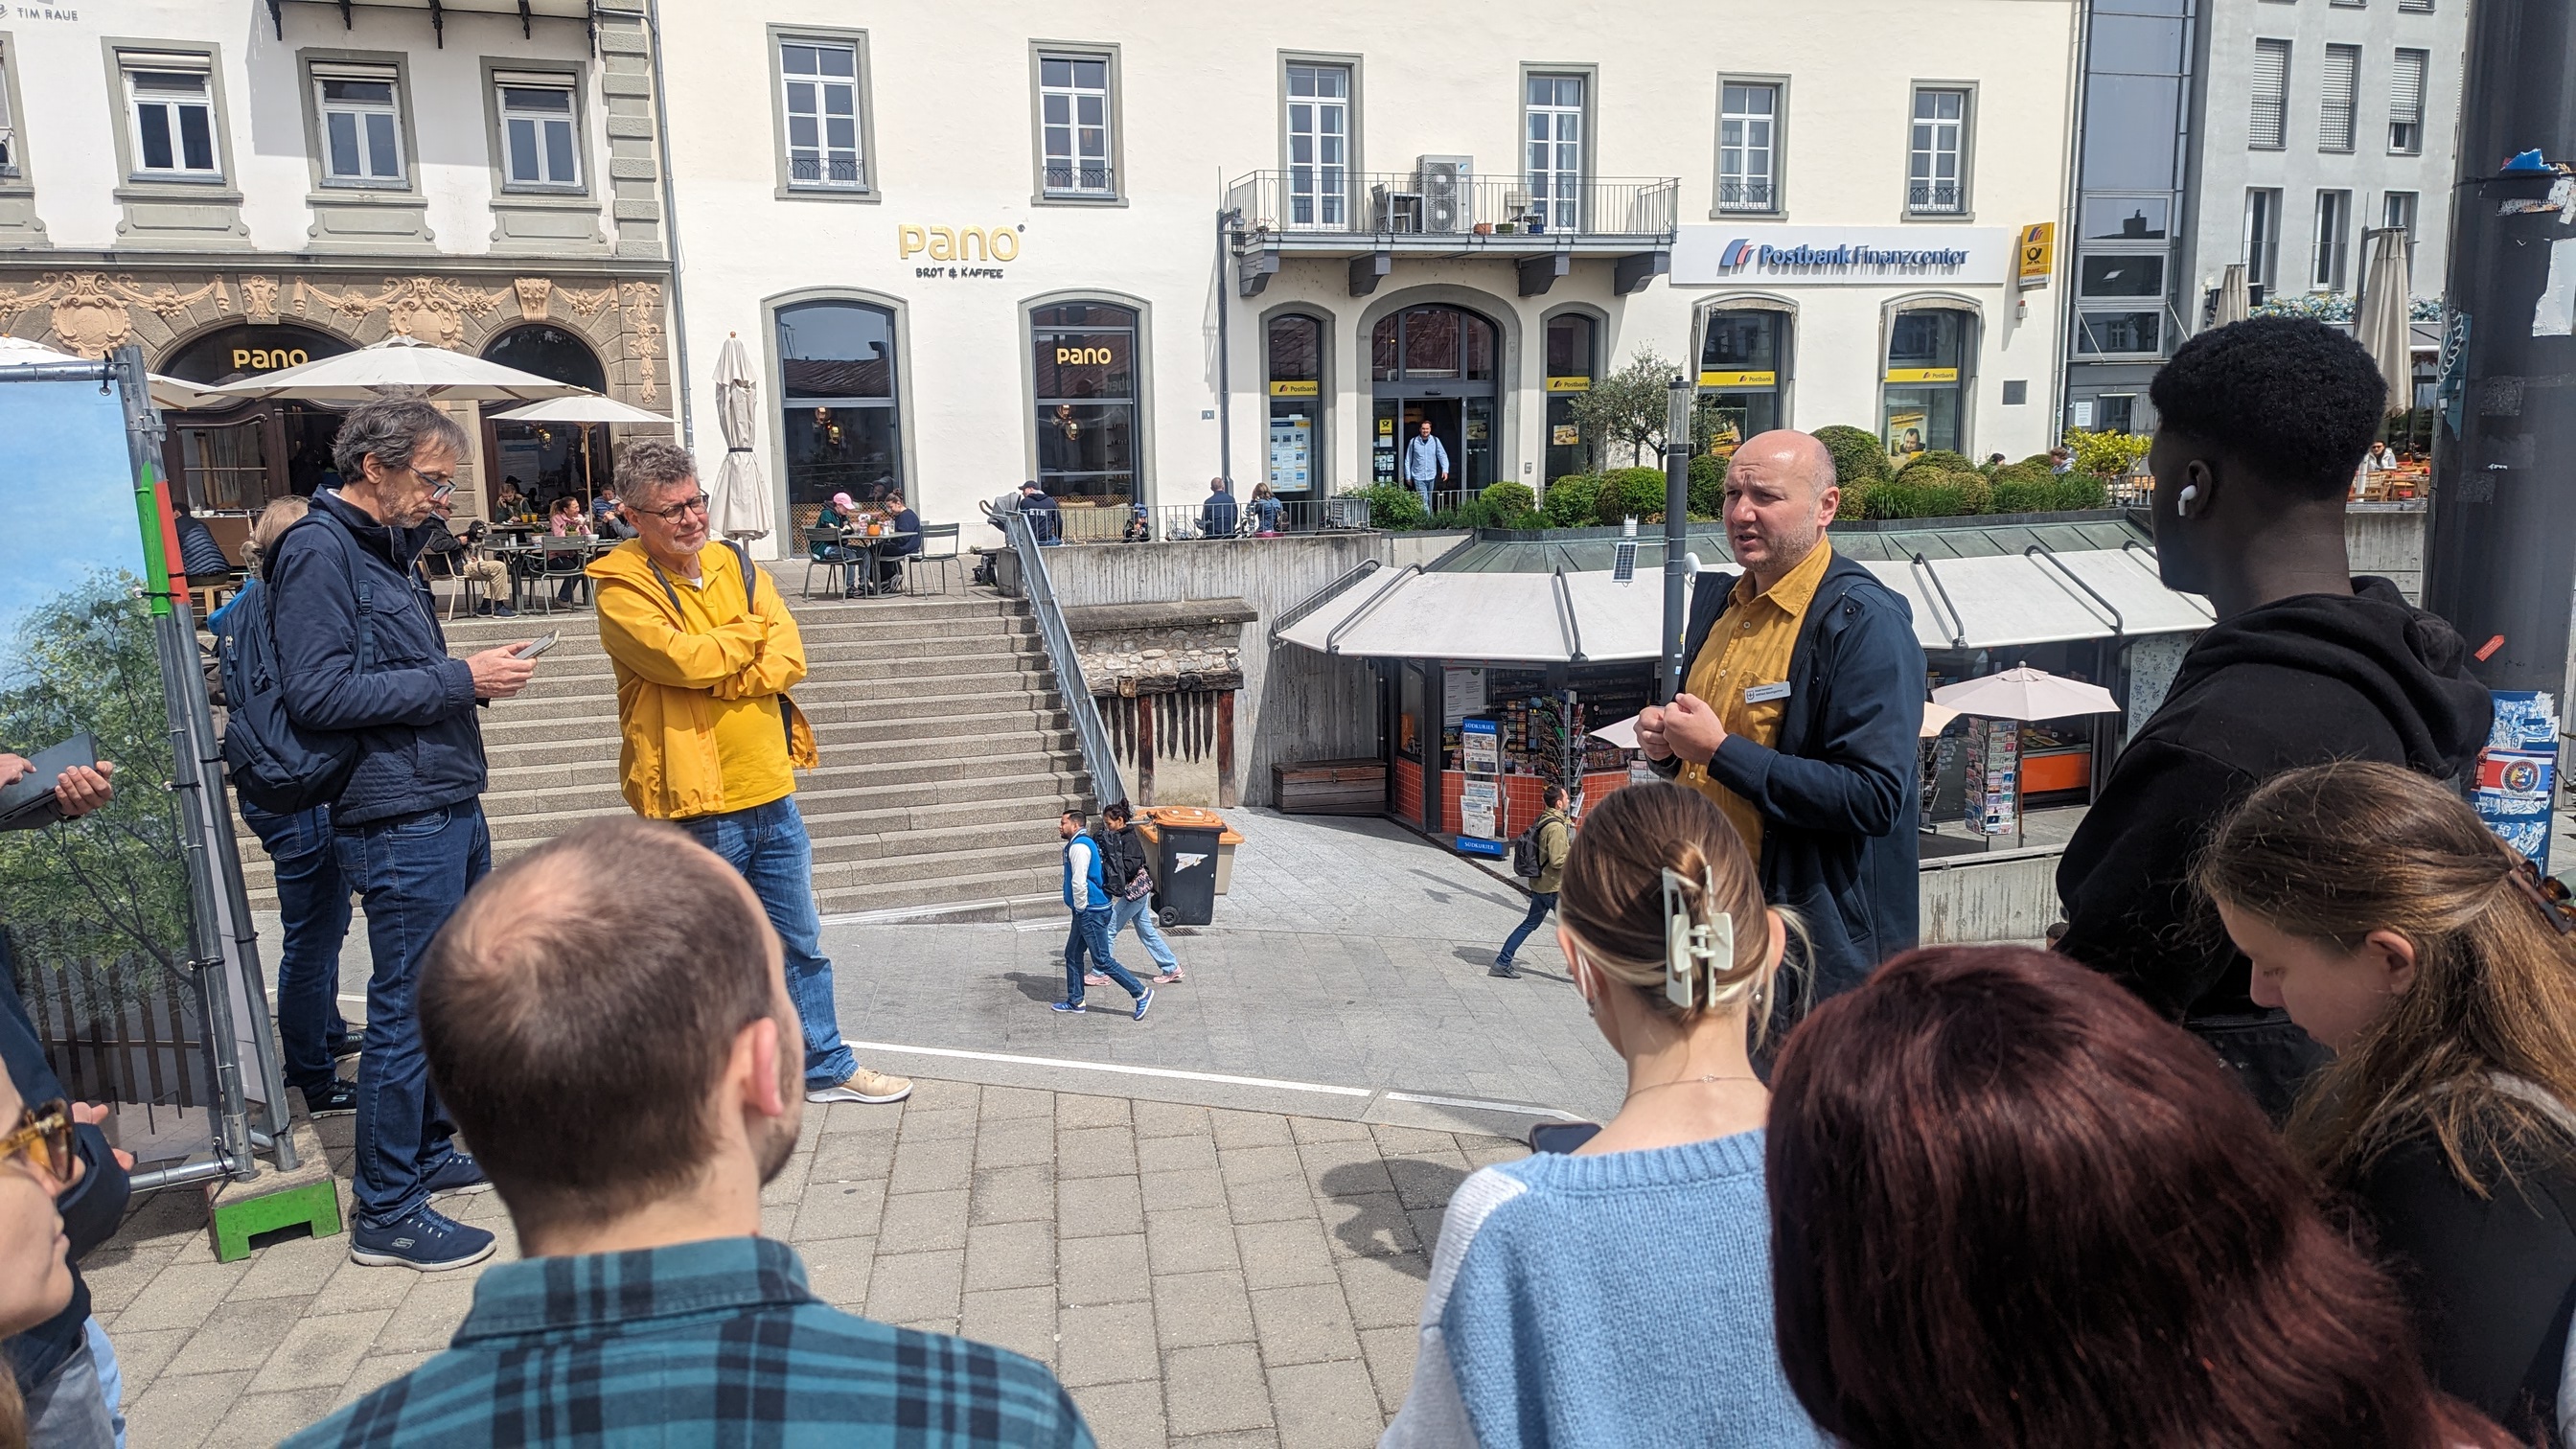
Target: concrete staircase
947,754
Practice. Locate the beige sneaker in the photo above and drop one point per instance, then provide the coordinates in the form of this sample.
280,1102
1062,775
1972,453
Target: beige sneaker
863,1086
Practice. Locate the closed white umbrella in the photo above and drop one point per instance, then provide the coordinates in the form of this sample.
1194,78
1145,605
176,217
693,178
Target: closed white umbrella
741,507
2026,694
167,392
2380,323
587,408
2235,299
403,367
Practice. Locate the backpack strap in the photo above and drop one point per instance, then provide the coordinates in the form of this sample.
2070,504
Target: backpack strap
359,589
750,580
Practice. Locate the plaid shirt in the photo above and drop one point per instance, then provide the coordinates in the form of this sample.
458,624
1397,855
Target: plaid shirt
703,1343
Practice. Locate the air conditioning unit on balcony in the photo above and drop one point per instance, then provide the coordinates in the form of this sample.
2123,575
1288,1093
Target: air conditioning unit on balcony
1447,187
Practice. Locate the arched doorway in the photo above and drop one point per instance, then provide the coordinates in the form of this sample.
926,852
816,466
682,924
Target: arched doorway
1436,364
230,461
542,462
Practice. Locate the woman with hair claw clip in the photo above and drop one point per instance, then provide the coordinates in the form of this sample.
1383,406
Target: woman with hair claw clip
1620,1293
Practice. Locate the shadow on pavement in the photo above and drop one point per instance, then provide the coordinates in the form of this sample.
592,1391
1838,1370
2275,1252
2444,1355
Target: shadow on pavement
1381,1224
1049,987
1482,957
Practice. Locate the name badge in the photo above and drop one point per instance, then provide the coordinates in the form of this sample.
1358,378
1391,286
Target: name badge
1765,693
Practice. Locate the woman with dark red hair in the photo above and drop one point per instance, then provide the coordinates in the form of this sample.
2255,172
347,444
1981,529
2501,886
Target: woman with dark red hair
2011,1206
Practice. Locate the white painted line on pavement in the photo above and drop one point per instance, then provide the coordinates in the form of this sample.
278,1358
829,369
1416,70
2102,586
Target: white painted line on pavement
1120,1068
1515,1108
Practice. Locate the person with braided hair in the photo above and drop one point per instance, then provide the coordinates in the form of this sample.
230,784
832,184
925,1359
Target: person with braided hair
2438,966
1621,1293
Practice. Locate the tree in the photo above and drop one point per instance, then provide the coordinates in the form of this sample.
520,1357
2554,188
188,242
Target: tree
1628,405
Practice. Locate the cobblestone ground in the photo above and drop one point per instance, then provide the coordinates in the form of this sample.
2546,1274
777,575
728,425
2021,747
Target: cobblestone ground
1195,1275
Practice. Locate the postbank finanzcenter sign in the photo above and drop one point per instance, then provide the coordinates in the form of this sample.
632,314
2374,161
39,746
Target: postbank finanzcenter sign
1721,255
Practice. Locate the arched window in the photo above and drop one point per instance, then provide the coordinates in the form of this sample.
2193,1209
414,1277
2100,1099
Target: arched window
234,457
1573,361
1083,361
541,462
1744,358
1930,352
1295,347
838,423
1434,364
548,351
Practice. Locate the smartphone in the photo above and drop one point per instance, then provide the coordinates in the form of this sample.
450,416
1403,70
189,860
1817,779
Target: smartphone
1562,1136
535,647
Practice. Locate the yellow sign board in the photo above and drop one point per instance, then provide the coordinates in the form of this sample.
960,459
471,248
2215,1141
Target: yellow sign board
1923,374
1294,389
1569,384
2038,253
1739,379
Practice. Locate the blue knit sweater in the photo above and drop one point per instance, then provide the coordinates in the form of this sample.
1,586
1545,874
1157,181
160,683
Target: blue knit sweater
1605,1300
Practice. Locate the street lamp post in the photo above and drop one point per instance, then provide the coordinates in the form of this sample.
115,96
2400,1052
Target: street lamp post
1677,461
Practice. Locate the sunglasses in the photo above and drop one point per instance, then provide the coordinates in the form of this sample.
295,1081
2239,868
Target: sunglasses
2550,894
44,1138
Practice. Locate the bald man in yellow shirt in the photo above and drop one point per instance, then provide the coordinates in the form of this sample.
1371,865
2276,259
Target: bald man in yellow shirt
1801,702
705,652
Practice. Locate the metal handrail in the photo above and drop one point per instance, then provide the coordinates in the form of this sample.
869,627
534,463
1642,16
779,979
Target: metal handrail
1566,623
1323,596
1332,640
1097,759
2119,626
1958,625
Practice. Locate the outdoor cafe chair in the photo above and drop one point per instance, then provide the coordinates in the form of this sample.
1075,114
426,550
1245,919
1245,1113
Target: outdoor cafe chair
938,548
557,560
435,567
824,550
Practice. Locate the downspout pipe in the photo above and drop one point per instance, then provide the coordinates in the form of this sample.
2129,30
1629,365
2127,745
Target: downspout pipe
1224,356
671,230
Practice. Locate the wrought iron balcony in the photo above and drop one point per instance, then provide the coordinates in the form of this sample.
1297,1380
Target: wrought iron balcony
838,173
1748,194
1373,217
1082,178
1936,198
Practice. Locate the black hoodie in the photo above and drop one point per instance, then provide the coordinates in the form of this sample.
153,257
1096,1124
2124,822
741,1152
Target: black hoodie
2303,681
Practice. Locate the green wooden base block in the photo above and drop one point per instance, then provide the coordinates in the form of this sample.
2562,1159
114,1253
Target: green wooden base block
240,1219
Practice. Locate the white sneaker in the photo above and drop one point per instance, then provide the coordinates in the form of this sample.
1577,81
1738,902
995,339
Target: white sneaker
863,1086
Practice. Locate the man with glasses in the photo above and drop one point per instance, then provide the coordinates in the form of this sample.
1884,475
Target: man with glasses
705,652
361,654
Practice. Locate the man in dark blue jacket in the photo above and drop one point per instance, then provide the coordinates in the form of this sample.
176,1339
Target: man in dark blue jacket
1799,715
361,653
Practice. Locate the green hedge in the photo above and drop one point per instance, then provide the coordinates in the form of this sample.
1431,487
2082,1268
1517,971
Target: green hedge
1707,487
1938,460
1629,493
1859,458
1570,500
1393,507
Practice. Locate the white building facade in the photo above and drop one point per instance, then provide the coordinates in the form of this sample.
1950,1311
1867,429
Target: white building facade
1124,250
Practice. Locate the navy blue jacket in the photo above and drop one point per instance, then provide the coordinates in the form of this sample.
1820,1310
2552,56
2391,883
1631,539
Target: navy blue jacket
1217,515
1838,793
420,747
91,1210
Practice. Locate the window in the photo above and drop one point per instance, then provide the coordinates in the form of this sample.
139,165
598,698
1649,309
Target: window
1573,355
1084,356
2416,7
2126,218
2398,209
1319,146
8,127
2269,127
1748,157
1295,346
1554,126
2113,412
2124,275
819,98
361,125
840,426
2334,240
2342,86
2136,331
1936,178
2263,239
539,150
1073,126
2406,103
1742,369
170,101
1927,354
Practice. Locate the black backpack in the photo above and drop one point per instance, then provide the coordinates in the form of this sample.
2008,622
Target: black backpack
276,764
1526,862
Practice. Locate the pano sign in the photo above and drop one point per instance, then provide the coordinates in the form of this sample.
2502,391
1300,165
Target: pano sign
1719,255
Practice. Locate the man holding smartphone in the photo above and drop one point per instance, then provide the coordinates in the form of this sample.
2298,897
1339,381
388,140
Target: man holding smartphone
361,653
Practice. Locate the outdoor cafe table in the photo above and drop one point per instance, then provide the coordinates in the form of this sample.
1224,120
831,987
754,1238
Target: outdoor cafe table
523,559
868,551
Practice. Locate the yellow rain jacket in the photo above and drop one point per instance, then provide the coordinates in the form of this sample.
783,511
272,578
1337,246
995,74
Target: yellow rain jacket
702,678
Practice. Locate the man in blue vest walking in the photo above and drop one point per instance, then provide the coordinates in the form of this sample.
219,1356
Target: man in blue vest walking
1087,896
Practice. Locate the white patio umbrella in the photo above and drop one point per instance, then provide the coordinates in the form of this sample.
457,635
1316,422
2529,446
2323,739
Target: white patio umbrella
588,407
2379,321
2025,693
741,508
2235,299
167,392
1623,733
403,367
1936,718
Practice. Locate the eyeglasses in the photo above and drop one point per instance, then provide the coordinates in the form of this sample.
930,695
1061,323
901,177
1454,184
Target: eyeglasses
679,510
440,484
2549,893
44,1138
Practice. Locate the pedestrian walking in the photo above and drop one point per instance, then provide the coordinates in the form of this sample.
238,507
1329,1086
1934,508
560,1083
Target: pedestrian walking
1553,838
1087,896
1621,1293
2436,964
1426,459
2261,425
704,652
360,652
1131,887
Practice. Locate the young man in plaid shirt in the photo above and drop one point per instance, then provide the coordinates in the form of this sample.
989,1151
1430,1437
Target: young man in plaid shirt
648,1310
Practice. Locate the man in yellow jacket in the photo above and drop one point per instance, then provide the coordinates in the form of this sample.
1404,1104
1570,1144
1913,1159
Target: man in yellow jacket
705,652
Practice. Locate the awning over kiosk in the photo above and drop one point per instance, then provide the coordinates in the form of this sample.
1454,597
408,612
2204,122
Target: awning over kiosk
2039,597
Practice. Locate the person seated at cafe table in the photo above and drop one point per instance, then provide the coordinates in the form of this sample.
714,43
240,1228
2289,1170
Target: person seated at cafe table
509,502
839,514
905,526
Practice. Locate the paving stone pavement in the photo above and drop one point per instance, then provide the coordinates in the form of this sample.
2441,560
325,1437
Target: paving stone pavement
1194,1275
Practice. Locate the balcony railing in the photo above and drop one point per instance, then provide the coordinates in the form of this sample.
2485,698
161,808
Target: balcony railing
1748,195
1082,178
847,174
1935,198
1326,202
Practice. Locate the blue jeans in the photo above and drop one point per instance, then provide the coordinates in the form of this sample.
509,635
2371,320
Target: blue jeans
315,907
1090,936
1423,487
1141,912
411,872
1541,902
768,844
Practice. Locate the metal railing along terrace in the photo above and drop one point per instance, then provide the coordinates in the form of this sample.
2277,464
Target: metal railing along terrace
1327,202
